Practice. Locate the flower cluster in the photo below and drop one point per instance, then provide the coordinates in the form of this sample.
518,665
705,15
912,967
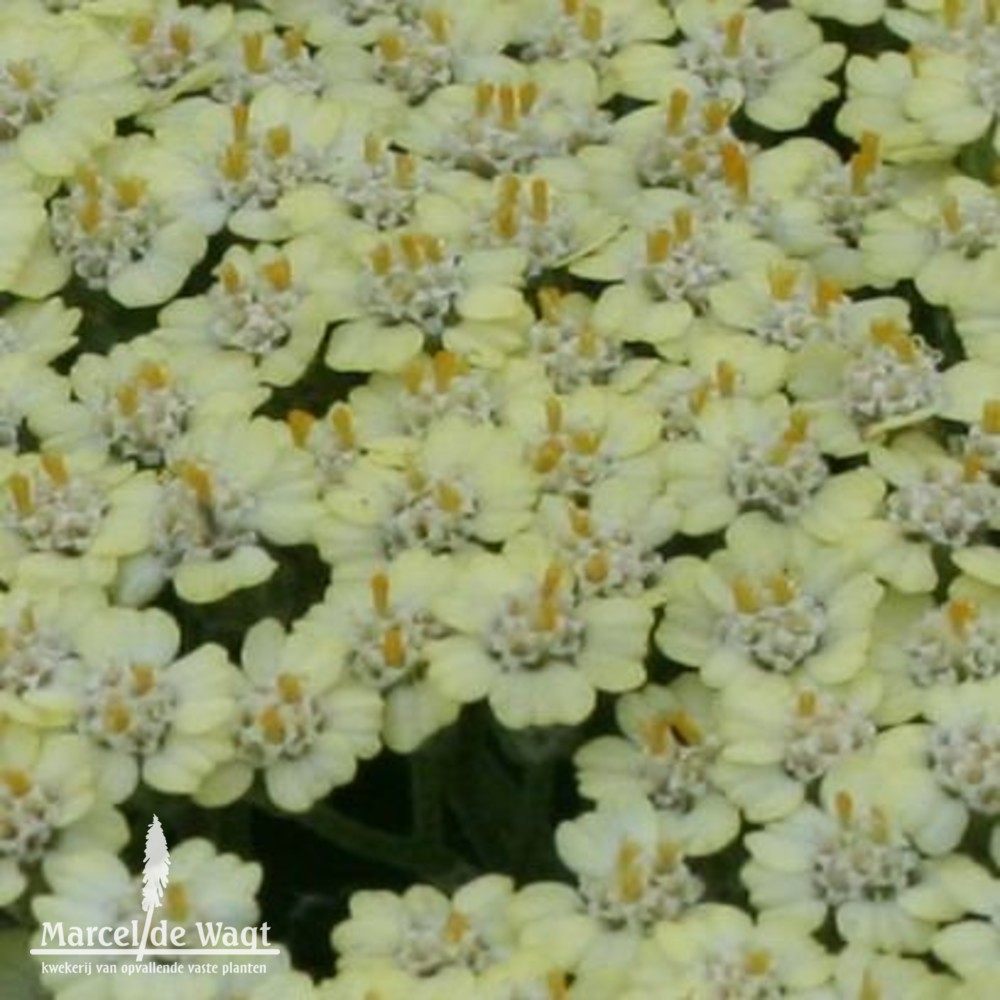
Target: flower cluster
604,390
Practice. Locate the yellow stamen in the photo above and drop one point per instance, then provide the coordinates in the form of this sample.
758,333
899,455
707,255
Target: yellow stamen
553,415
717,115
843,805
973,468
827,294
585,442
278,141
18,782
547,457
141,30
782,279
240,116
990,419
658,245
745,596
300,423
685,728
449,499
437,22
181,40
253,52
235,163
55,467
456,927
506,222
446,365
952,10
657,735
725,378
951,214
153,375
90,215
391,47
293,42
961,612
272,725
680,101
381,259
130,191
394,647
405,170
484,98
143,679
176,902
757,962
230,277
597,567
278,273
805,704
683,224
127,398
20,491
507,99
864,162
540,200
199,481
412,250
380,593
628,872
290,688
592,27
735,169
734,36
527,95
116,717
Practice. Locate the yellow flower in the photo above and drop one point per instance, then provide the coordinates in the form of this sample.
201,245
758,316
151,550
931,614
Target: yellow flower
63,85
145,710
49,805
667,754
296,720
229,487
268,304
386,625
773,600
530,643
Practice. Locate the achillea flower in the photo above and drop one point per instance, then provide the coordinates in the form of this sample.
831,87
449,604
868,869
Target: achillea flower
530,643
138,400
40,664
386,626
855,858
63,84
773,600
295,720
268,304
782,735
461,487
145,711
71,518
668,754
229,487
49,805
118,229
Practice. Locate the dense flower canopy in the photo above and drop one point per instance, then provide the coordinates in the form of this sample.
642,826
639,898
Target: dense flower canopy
574,423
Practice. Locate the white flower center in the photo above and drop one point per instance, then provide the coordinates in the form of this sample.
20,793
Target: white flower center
33,656
387,641
268,59
104,227
528,215
969,225
442,385
723,53
863,858
145,415
253,311
201,514
971,31
956,643
279,723
800,311
679,262
255,171
573,352
577,31
415,58
894,376
434,941
824,729
536,626
569,459
677,759
332,442
27,818
434,514
781,476
163,50
27,95
641,891
129,709
946,507
776,624
54,511
412,279
741,974
965,759
382,187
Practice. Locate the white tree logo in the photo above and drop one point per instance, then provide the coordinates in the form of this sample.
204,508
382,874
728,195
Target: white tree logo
155,875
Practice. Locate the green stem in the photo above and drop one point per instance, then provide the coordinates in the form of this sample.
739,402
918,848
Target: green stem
535,809
407,853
